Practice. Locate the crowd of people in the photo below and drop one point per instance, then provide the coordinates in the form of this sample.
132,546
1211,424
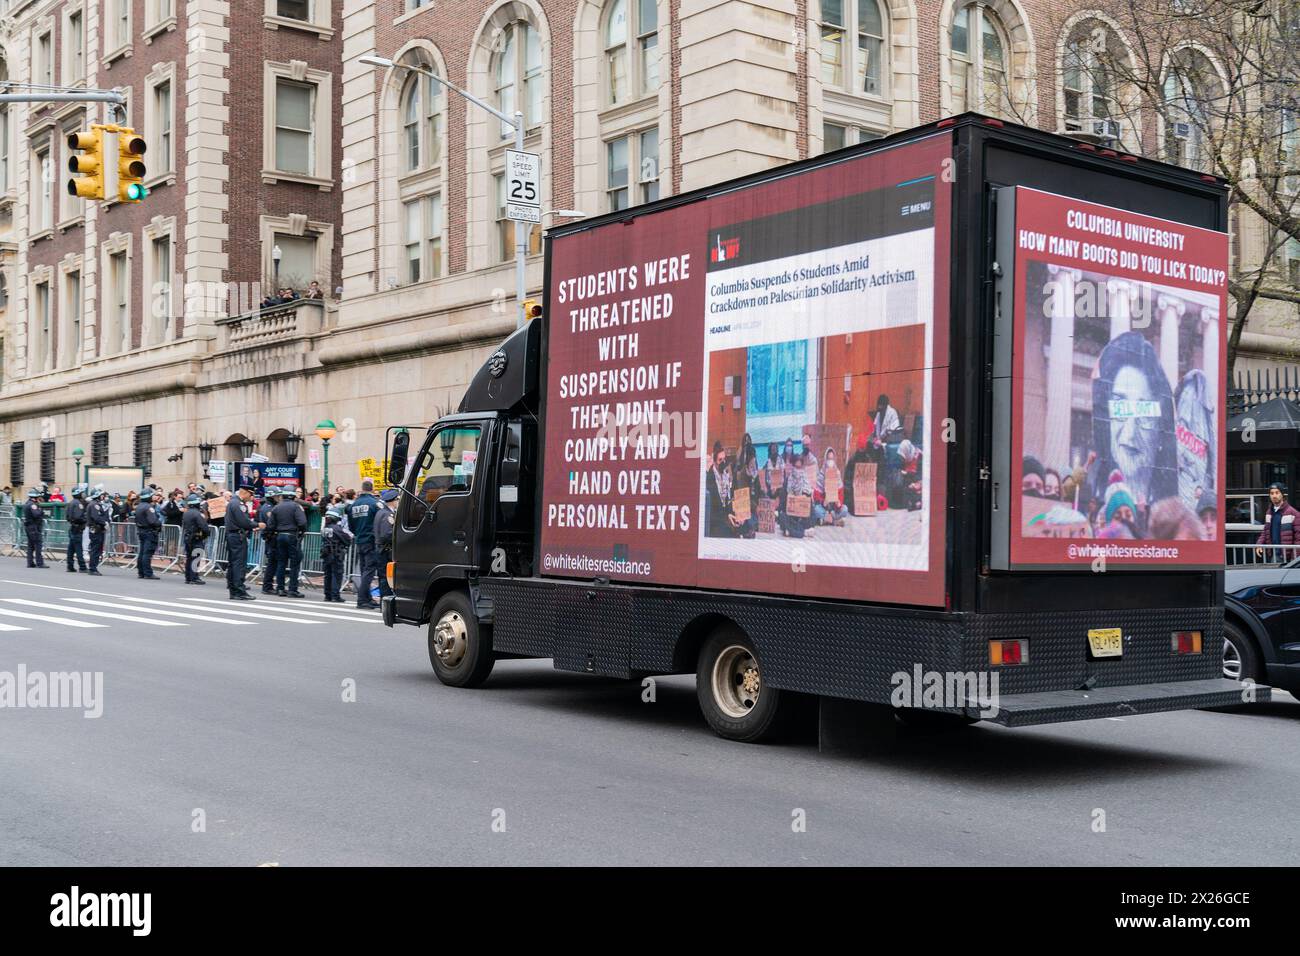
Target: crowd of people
807,490
287,294
348,518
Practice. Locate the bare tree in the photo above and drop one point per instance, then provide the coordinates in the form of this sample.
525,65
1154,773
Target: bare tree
1211,85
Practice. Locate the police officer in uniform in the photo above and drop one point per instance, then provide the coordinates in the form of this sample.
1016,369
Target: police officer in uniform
76,517
361,518
383,528
334,541
194,531
98,514
290,523
148,525
34,524
239,528
268,539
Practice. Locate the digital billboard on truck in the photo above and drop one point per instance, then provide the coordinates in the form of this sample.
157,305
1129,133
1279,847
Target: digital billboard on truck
749,391
1117,387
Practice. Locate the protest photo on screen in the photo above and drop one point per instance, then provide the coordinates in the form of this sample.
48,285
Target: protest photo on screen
1124,443
815,392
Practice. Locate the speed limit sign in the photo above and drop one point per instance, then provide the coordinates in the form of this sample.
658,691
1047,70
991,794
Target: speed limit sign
523,186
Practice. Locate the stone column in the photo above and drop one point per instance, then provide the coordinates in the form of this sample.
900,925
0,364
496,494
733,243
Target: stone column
1170,310
1210,350
1060,369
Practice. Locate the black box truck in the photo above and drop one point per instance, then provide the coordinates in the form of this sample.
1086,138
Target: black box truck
932,423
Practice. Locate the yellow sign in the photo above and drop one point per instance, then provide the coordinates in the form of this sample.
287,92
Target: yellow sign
369,468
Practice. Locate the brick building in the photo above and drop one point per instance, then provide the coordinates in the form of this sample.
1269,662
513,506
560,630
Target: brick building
626,101
118,330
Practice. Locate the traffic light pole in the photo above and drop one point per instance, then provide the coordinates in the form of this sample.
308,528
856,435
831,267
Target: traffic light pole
72,96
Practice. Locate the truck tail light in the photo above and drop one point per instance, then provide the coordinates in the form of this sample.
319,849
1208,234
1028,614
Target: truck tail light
1004,653
388,573
1186,642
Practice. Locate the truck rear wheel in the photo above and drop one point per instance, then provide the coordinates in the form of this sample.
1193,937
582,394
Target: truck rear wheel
733,697
459,649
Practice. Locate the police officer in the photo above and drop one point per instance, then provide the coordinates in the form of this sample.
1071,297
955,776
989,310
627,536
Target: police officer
289,523
268,538
98,514
239,528
334,542
34,524
383,529
194,531
361,517
148,525
76,516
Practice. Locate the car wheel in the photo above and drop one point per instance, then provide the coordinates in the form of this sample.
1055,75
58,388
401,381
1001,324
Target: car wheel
1240,658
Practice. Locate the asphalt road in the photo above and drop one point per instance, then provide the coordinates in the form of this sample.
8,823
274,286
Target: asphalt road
240,723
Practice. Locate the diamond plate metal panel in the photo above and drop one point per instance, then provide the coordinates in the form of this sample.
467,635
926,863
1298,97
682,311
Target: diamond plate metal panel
837,650
1058,647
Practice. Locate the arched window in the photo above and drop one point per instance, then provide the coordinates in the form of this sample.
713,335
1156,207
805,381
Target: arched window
980,61
422,104
631,49
518,74
853,46
1093,67
1190,87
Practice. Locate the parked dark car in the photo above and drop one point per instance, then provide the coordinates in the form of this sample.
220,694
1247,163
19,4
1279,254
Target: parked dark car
1262,625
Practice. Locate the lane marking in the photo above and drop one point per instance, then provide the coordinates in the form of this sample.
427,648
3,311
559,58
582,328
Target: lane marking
49,617
87,611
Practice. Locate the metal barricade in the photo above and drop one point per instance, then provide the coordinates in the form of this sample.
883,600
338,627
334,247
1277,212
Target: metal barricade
1261,555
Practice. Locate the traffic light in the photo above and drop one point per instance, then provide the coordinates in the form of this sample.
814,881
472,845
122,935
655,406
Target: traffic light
130,170
532,310
87,181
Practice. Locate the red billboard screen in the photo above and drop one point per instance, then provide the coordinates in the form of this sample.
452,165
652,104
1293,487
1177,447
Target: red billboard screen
1117,387
746,392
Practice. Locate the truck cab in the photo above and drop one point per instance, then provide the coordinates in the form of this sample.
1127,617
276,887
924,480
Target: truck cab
468,494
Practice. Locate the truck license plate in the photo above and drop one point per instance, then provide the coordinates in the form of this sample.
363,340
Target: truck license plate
1106,642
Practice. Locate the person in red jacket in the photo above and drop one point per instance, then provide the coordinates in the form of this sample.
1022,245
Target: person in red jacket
1280,523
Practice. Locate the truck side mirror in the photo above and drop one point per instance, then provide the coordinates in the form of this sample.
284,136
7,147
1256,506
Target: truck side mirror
397,458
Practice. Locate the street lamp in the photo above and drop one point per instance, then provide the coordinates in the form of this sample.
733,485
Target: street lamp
292,443
325,430
205,457
246,448
77,453
516,123
276,255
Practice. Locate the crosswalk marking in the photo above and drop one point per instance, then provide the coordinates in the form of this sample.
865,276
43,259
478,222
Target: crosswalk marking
90,613
193,617
13,627
48,617
225,610
289,609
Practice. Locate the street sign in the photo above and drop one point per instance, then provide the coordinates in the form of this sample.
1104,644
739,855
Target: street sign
313,459
523,186
523,213
217,471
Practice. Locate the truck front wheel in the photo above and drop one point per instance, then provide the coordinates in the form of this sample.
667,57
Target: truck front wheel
736,702
459,649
